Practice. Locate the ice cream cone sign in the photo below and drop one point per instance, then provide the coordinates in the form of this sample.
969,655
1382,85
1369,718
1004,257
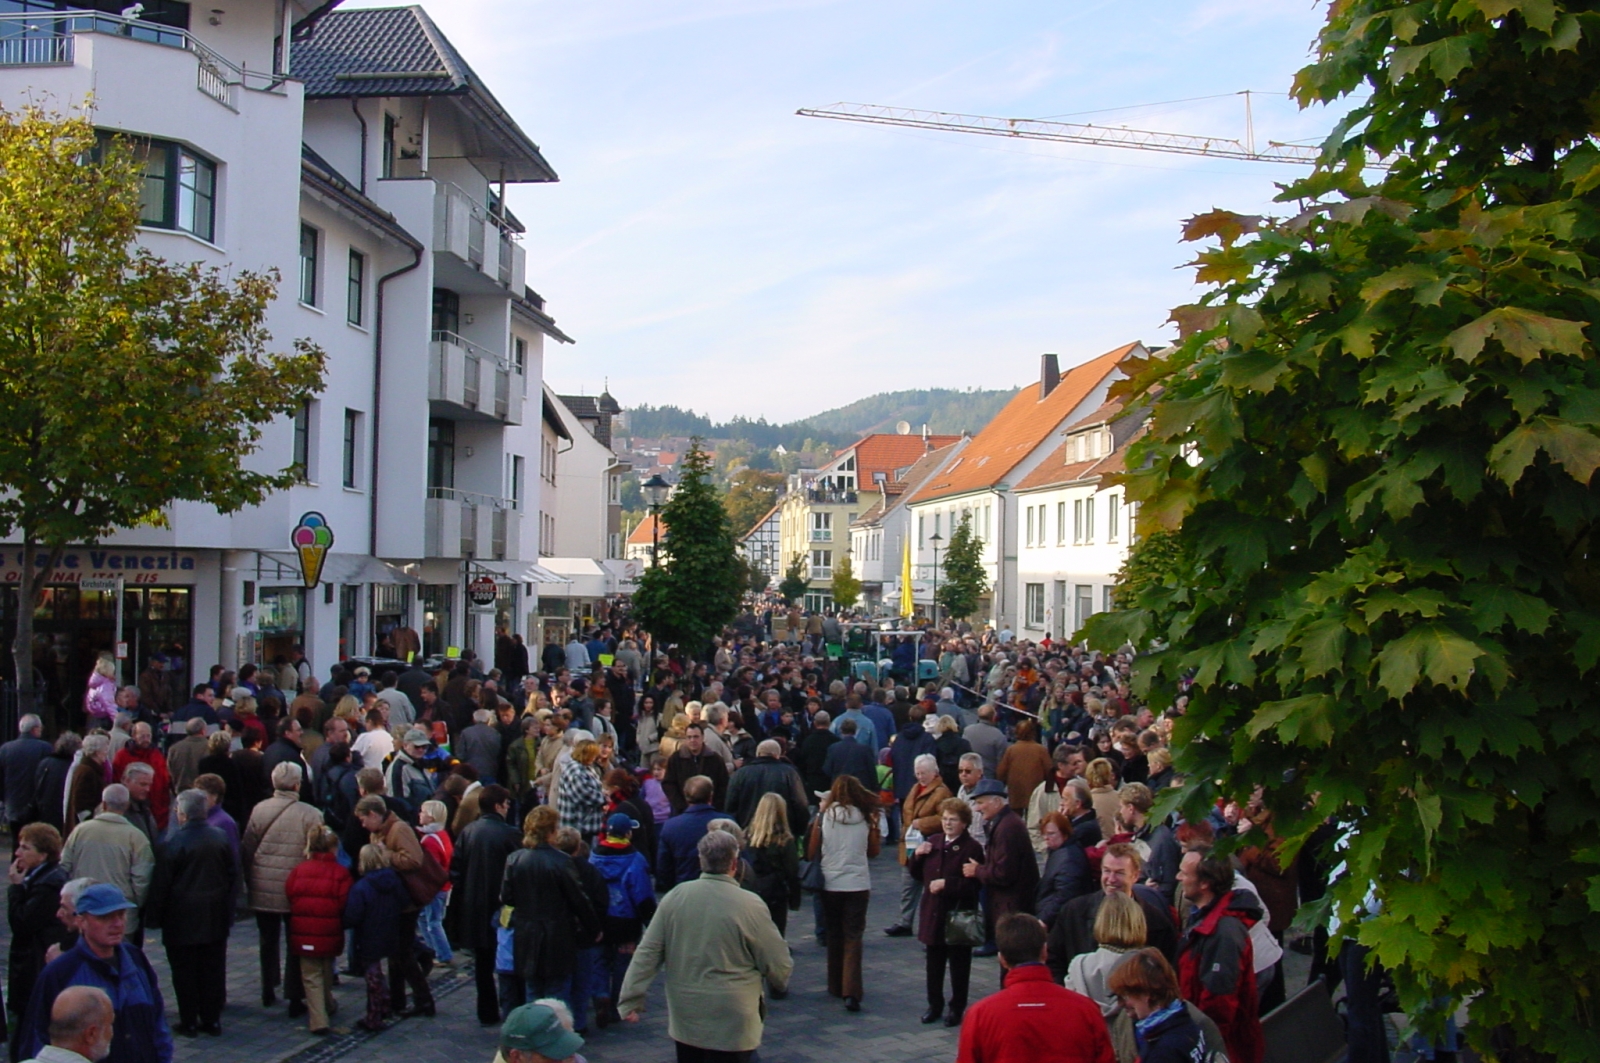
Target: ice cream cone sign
312,539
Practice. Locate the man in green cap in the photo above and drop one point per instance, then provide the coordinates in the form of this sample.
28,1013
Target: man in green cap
534,1034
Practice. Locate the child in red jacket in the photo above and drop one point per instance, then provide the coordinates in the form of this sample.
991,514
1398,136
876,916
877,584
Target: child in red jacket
317,889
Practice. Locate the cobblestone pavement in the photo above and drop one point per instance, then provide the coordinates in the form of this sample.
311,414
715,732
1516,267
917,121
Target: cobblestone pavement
807,1027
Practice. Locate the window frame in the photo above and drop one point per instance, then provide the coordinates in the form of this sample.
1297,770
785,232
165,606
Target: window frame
351,469
1033,600
309,264
355,311
170,186
300,456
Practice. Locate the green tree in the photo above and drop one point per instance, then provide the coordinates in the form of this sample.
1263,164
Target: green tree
696,588
846,589
128,383
794,583
963,581
750,496
1375,450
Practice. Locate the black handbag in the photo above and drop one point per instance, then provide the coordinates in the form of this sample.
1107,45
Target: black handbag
811,879
964,929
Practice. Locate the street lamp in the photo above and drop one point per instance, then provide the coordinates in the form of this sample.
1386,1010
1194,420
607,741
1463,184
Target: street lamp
655,489
935,539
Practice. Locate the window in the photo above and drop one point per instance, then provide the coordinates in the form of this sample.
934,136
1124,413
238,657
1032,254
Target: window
1112,531
616,490
352,448
1088,519
519,354
446,311
821,527
986,523
1029,540
1035,605
1061,524
937,521
441,454
180,187
356,294
822,564
308,265
1077,520
389,146
921,522
1085,596
1131,518
1108,598
302,441
516,478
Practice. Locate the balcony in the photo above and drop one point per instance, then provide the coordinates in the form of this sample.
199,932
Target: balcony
479,252
463,524
830,496
43,39
473,383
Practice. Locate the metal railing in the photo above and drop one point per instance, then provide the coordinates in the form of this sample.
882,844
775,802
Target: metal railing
474,498
45,38
502,394
469,531
507,250
497,534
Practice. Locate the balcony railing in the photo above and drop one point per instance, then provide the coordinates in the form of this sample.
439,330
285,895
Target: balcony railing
458,522
826,496
465,228
476,379
46,39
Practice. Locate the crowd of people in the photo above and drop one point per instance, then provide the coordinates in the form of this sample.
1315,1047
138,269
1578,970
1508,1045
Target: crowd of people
579,827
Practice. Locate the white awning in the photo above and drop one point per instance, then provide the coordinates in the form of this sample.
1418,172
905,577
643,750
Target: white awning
348,568
522,572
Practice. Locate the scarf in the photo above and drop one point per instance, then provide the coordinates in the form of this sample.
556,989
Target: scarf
1152,1020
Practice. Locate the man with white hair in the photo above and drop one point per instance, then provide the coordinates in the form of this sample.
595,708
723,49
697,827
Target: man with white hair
767,774
109,849
274,843
719,945
191,902
19,758
139,778
81,1026
479,745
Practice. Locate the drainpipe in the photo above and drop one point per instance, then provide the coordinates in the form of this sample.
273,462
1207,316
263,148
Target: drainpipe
377,398
355,105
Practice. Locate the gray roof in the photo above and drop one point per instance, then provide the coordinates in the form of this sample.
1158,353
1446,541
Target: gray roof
398,51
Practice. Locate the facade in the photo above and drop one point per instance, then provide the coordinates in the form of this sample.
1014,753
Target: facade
816,514
877,538
643,540
762,544
588,479
979,484
1075,531
358,154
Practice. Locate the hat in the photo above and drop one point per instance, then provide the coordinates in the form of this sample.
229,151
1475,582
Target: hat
535,1028
363,670
989,788
417,737
620,823
160,658
103,899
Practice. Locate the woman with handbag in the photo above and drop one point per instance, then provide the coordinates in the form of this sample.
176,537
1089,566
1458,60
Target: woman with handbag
949,922
846,839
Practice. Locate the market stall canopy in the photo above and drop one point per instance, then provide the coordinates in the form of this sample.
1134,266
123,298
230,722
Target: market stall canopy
338,568
523,572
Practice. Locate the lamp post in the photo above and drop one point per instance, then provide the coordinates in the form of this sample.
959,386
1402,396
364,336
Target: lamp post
656,490
933,611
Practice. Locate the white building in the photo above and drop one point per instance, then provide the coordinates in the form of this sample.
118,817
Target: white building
877,538
761,544
979,483
1075,530
357,153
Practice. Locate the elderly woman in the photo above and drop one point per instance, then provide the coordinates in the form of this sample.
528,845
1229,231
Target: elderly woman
581,798
88,778
937,864
1066,873
36,878
218,762
921,818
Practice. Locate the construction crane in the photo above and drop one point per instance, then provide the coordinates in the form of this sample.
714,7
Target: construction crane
1076,133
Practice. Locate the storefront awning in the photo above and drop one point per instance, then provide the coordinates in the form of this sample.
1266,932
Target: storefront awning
522,572
344,568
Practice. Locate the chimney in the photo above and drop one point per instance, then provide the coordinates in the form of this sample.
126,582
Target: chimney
1049,375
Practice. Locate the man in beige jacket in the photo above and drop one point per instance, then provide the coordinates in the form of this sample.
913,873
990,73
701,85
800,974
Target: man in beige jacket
108,848
718,943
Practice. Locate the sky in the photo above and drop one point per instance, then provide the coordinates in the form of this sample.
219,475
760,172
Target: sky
708,248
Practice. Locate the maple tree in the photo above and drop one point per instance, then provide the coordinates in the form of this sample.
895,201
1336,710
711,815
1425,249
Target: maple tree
128,383
1370,471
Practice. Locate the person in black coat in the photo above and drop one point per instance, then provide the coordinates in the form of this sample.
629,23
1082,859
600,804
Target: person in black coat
940,860
36,878
217,762
849,757
810,754
552,917
50,781
1066,874
476,871
766,774
191,903
286,750
19,759
1073,932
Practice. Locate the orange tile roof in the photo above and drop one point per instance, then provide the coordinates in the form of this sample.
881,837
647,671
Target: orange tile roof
644,533
887,452
1055,470
1019,428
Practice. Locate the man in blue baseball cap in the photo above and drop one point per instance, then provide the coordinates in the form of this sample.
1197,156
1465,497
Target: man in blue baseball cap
533,1033
101,959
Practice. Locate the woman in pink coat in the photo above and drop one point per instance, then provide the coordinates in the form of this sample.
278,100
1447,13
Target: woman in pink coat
100,702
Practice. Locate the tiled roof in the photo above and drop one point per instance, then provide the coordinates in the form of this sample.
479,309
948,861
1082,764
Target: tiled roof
644,534
1055,470
925,466
764,518
888,453
398,51
589,408
1018,429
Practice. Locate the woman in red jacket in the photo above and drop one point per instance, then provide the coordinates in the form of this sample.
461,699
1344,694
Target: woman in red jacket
317,888
431,821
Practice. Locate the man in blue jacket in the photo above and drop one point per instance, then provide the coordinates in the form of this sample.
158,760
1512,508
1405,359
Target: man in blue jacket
101,959
678,858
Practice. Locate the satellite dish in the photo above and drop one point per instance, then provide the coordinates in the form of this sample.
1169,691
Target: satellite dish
903,428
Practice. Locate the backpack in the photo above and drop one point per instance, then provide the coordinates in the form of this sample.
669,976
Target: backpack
334,797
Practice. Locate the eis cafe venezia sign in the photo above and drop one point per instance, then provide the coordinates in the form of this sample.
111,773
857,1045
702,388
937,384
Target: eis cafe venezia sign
81,563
